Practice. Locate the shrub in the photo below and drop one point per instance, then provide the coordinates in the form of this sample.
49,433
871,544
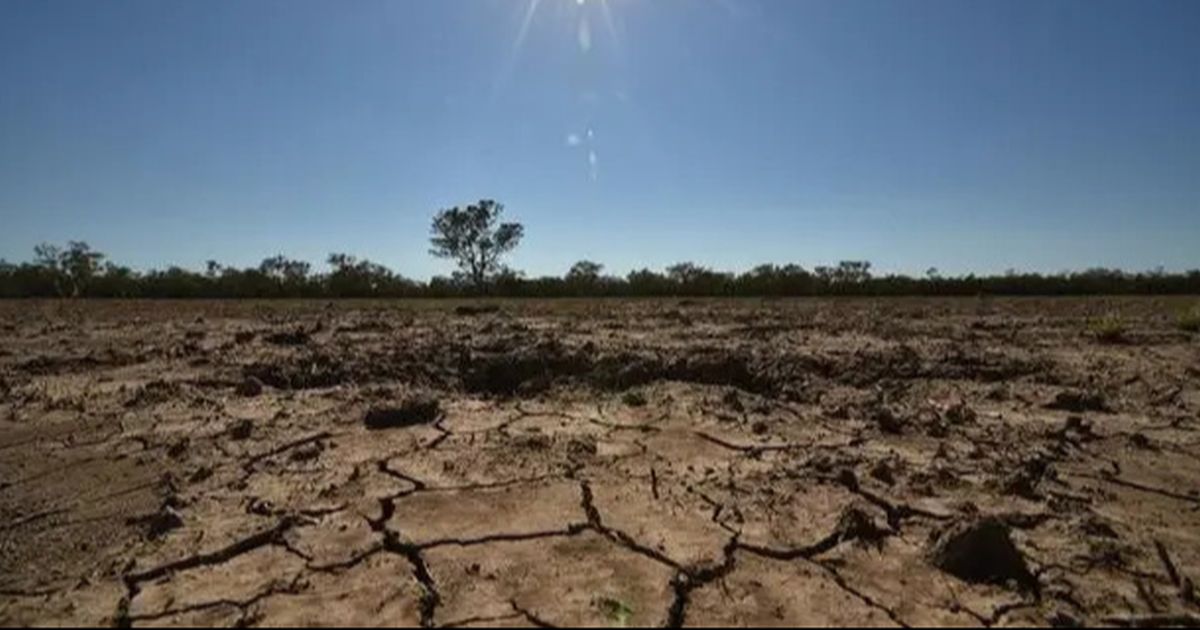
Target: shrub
634,399
1189,320
1107,329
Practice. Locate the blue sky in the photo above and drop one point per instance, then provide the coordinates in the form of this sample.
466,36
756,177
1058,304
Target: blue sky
966,135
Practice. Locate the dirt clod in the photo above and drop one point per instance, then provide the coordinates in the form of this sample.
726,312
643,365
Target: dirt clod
414,410
1078,401
887,420
732,400
857,524
241,430
250,387
297,337
158,524
1024,480
884,471
959,413
581,448
307,452
471,310
179,448
634,399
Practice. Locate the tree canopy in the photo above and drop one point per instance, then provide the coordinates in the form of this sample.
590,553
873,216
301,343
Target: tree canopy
475,239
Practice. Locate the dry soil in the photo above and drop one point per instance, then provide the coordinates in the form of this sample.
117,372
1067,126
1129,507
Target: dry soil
606,462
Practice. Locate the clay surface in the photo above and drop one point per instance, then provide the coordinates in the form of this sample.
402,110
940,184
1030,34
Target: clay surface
598,462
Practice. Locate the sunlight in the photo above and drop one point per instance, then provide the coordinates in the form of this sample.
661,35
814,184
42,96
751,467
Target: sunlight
530,10
584,36
582,13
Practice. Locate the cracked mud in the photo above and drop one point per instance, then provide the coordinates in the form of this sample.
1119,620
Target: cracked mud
858,462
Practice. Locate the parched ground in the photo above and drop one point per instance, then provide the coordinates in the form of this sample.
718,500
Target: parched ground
605,462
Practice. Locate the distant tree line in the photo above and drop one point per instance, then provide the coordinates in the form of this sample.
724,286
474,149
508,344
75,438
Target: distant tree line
77,270
476,239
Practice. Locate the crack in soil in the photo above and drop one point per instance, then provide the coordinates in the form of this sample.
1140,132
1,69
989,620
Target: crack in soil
430,597
689,580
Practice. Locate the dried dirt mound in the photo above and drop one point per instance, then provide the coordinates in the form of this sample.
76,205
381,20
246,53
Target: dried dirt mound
45,365
520,366
522,363
309,372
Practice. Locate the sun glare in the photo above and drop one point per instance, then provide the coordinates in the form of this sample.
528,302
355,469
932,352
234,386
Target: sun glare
583,17
583,28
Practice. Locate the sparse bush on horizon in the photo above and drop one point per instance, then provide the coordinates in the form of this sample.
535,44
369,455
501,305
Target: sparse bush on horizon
79,271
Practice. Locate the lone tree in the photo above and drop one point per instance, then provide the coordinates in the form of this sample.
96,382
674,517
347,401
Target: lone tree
474,239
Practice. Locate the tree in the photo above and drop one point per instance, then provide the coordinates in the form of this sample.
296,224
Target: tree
290,277
584,277
474,239
693,279
768,279
647,282
352,277
116,281
852,272
584,272
72,268
685,272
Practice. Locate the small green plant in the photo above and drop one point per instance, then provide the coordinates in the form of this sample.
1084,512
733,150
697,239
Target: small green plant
1108,329
616,611
1189,320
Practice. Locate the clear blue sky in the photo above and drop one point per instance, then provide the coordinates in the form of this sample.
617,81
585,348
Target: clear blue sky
964,134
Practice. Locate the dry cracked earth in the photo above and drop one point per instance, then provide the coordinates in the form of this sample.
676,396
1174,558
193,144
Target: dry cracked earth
916,462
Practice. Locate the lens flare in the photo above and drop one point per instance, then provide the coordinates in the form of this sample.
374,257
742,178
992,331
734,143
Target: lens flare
586,16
